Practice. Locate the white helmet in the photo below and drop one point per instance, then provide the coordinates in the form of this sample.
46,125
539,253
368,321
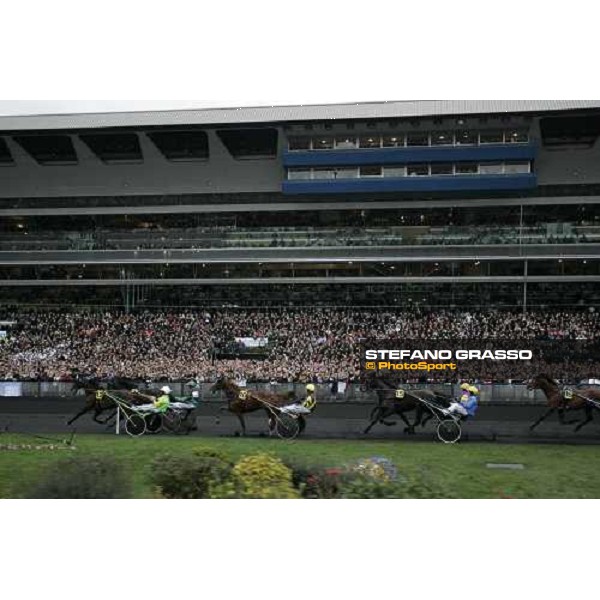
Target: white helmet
166,389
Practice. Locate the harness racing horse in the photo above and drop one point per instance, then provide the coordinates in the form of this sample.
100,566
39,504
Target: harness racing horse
241,400
96,400
585,399
389,403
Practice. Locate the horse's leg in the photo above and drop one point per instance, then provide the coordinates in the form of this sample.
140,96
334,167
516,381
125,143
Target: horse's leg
588,417
111,419
378,415
544,416
374,418
82,412
97,412
424,415
428,416
242,423
270,421
561,417
301,423
409,428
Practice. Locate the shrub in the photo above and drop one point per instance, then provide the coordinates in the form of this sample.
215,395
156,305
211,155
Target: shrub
376,467
208,451
260,476
97,477
323,483
375,477
191,476
301,476
362,486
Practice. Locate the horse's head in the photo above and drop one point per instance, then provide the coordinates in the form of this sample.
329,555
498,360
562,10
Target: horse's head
83,382
367,382
123,383
541,381
221,384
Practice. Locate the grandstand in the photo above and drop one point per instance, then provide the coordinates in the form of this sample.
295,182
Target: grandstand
397,204
315,221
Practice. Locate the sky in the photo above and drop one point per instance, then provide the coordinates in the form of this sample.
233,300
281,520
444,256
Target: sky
29,107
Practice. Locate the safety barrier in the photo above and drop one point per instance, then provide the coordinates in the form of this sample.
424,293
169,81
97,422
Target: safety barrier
327,392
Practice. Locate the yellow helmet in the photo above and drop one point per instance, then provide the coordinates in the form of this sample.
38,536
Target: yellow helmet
310,387
473,389
465,386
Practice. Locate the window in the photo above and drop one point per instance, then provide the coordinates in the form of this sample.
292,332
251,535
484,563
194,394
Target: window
417,170
516,136
299,143
298,173
346,173
327,173
370,141
491,169
181,145
516,167
250,143
467,168
393,141
466,138
442,169
580,131
5,155
49,149
442,138
417,139
491,137
323,143
370,171
114,147
344,143
394,171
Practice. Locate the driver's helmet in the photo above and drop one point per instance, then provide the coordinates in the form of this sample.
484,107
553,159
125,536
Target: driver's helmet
465,386
473,389
310,387
166,389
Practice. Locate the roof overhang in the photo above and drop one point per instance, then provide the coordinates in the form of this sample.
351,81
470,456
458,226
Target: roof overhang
290,114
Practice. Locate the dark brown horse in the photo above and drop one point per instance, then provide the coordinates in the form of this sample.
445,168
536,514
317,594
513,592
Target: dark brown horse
98,401
389,404
560,400
241,401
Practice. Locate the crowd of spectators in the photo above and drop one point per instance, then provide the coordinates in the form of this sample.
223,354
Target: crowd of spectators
304,344
294,237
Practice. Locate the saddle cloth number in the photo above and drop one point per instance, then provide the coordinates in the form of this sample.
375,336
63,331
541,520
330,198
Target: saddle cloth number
243,394
568,394
400,394
99,394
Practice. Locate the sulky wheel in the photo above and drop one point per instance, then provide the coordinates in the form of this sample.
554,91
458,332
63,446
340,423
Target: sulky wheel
287,426
153,423
135,425
449,431
173,422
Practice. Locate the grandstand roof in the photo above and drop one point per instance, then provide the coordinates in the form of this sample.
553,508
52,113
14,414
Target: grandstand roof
271,114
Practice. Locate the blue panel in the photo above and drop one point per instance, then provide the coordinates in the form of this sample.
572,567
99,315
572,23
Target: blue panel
411,184
386,156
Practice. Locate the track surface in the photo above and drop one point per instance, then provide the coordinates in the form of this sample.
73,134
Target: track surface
508,424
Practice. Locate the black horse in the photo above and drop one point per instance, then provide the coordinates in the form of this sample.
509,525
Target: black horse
391,402
95,398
